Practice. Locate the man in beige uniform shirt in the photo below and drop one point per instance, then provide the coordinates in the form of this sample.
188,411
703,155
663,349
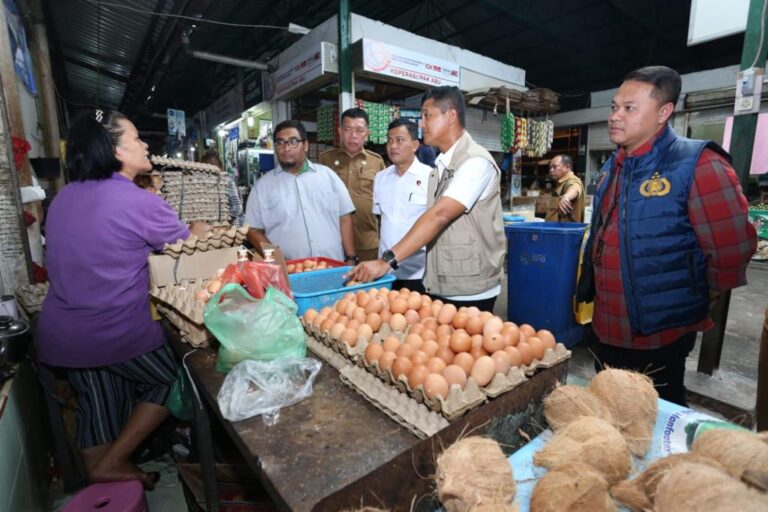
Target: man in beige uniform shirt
570,190
357,167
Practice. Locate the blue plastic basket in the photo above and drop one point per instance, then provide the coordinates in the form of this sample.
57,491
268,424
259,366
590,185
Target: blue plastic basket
322,288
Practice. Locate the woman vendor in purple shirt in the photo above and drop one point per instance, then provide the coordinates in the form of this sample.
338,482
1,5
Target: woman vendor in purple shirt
96,320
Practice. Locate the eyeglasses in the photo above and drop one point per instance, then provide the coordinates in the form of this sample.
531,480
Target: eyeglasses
291,143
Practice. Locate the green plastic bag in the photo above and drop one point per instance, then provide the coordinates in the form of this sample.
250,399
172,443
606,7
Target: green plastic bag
180,402
247,328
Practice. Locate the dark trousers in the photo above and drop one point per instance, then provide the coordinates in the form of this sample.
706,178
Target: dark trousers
415,285
665,365
482,305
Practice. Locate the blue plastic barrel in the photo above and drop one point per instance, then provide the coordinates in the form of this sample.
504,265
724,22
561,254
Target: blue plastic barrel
542,261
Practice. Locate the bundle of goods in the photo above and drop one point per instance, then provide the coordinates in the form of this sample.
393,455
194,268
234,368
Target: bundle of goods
31,296
328,123
450,360
532,136
197,191
311,264
379,116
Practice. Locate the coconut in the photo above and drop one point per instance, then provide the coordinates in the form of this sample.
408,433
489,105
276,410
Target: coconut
566,403
573,487
633,403
737,450
592,441
474,472
690,486
640,492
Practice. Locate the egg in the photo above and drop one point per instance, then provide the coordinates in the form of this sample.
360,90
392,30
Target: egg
214,285
426,300
342,320
350,296
398,305
374,320
386,360
386,316
446,354
397,322
373,292
359,315
512,332
473,311
435,307
548,338
436,365
341,306
414,340
375,305
383,290
443,330
528,330
474,325
334,315
405,350
349,336
502,361
411,317
319,319
290,268
308,264
416,329
478,352
419,358
515,358
477,340
460,320
425,312
537,347
430,324
363,298
526,354
446,314
435,386
373,352
485,315
404,291
365,332
401,366
428,335
326,310
392,295
350,309
417,376
430,347
438,302
455,374
414,301
493,342
483,370
493,326
337,330
465,360
353,324
390,344
309,315
460,341
444,340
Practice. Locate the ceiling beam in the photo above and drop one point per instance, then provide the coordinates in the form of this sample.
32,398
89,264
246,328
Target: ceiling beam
98,69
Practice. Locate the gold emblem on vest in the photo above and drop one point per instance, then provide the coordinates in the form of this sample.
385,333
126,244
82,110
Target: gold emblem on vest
656,186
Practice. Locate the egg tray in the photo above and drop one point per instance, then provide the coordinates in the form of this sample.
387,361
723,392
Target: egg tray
196,335
215,239
177,163
181,298
31,297
551,358
342,347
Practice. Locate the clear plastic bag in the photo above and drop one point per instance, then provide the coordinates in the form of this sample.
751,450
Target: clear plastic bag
248,328
257,387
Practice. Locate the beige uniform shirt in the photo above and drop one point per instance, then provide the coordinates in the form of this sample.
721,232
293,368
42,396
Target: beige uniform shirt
357,174
563,186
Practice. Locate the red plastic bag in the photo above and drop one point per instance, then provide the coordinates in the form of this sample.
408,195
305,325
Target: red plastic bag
256,277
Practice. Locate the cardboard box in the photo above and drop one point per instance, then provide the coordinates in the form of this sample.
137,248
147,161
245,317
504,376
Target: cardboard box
524,206
163,269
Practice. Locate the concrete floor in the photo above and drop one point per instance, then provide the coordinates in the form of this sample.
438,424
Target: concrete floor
730,392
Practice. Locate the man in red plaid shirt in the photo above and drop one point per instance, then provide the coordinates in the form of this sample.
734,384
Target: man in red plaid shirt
670,232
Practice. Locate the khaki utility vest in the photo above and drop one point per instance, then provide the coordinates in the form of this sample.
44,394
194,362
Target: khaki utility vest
467,258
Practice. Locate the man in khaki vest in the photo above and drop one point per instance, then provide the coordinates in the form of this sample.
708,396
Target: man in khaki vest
463,227
569,189
357,167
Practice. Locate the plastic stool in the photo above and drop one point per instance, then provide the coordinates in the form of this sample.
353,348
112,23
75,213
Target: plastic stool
125,496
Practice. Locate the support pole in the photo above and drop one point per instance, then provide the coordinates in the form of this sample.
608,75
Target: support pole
346,95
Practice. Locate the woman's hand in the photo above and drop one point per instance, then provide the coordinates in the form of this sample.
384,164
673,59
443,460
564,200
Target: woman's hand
199,228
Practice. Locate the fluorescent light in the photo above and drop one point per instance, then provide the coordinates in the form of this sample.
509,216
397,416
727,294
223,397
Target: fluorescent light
249,121
221,132
178,155
297,29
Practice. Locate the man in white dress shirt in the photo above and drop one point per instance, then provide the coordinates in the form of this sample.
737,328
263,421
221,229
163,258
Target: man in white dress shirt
399,199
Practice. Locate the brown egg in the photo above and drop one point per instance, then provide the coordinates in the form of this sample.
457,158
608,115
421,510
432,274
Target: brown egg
430,324
375,305
363,298
341,306
515,358
374,320
460,341
319,319
349,336
350,297
444,341
405,350
428,335
462,309
472,311
446,354
426,300
326,310
384,290
419,358
391,343
365,332
477,340
386,360
475,325
443,330
537,347
414,301
353,324
446,314
398,305
425,312
337,330
401,366
342,320
435,385
512,332
430,347
392,295
465,360
526,354
438,302
386,316
373,352
460,320
405,291
334,315
309,315
350,309
414,340
483,370
455,374
397,322
478,352
416,329
435,307
411,317
373,292
436,365
548,338
417,376
493,342
502,361
486,315
528,330
493,326
359,315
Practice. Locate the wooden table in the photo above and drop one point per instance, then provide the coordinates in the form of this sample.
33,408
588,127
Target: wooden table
335,450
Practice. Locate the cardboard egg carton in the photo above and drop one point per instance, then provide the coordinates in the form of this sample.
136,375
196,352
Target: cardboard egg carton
551,358
214,239
342,347
194,334
196,195
177,163
327,354
182,299
31,296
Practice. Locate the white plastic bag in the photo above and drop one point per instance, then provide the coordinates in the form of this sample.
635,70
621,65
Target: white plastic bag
259,387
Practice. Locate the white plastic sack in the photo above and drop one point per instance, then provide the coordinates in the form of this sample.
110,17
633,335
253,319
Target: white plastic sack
259,387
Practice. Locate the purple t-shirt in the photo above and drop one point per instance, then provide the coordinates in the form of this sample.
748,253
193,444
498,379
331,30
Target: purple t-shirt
98,237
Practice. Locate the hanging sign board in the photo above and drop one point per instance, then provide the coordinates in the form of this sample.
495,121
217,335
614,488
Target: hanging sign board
252,92
715,19
177,124
308,71
229,106
388,60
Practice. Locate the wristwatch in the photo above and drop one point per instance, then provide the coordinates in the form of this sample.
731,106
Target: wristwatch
355,259
389,257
